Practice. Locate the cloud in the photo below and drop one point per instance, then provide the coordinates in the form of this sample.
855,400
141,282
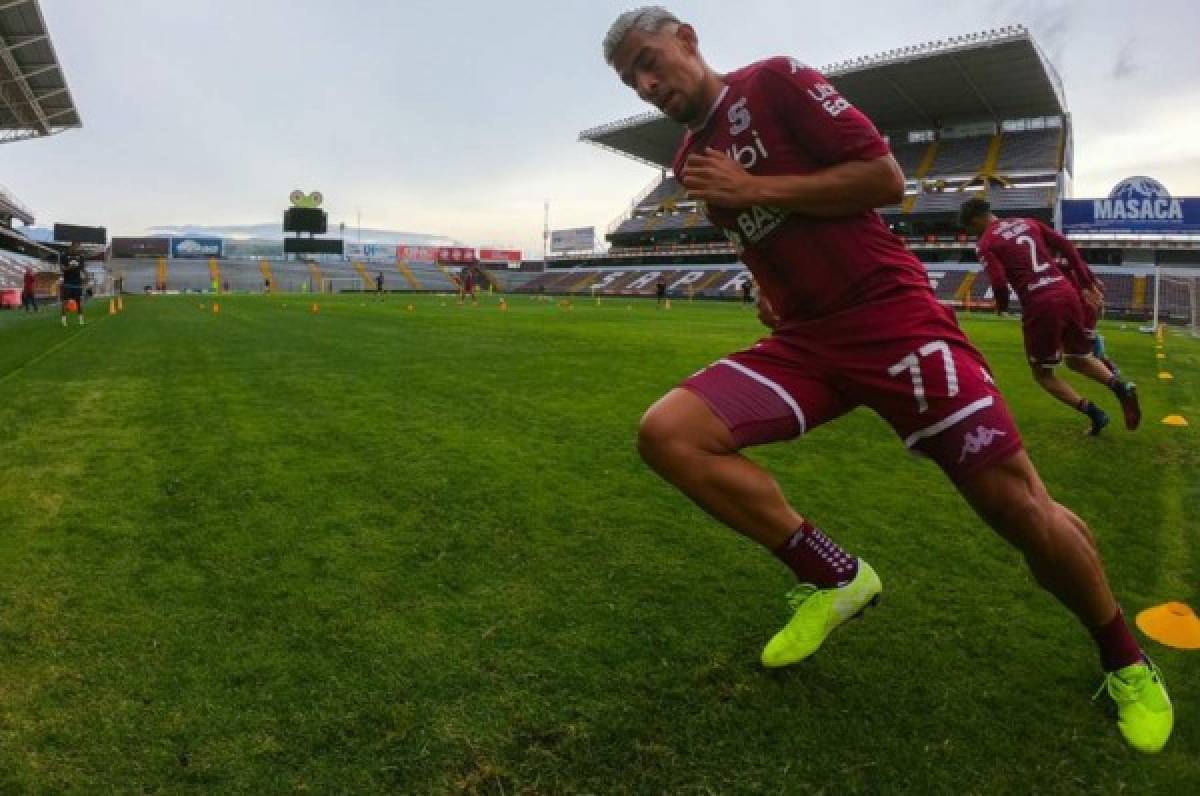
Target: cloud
1125,65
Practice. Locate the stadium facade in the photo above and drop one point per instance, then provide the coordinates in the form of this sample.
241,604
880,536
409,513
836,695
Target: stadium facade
983,114
35,102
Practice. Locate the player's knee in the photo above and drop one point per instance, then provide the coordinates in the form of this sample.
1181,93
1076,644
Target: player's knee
658,435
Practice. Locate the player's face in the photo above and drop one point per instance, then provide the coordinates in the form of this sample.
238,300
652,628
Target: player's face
977,225
665,70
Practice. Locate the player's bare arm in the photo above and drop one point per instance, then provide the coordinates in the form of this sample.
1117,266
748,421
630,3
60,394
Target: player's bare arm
840,190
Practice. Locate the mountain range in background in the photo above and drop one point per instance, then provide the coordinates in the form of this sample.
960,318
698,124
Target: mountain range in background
270,231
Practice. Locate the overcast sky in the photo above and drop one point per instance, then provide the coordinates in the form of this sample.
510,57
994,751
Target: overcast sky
459,119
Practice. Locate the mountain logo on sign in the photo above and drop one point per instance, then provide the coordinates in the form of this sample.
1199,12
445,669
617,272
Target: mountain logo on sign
1139,188
1139,199
196,247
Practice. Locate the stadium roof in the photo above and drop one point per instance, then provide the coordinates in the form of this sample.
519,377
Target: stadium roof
991,76
34,98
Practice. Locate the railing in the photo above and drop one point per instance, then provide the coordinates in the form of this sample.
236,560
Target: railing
637,200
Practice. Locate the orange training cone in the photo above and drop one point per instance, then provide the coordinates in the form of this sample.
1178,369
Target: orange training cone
1173,624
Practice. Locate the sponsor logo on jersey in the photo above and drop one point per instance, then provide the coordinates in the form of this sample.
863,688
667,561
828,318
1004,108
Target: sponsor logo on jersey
755,224
829,99
979,440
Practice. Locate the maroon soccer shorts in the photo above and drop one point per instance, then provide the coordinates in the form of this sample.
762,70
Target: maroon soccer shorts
1090,320
904,358
1055,325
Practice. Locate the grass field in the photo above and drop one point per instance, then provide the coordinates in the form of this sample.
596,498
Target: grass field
415,551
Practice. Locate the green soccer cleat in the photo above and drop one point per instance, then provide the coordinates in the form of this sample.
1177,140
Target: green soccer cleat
818,612
1144,713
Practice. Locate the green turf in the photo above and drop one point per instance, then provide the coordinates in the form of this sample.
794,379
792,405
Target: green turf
382,550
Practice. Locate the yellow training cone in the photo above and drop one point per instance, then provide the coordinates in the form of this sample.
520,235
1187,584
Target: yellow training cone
1173,624
1160,355
1165,376
667,305
411,308
216,308
316,308
1175,420
112,307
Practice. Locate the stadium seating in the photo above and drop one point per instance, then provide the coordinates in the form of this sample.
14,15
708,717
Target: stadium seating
961,156
13,265
909,156
1036,150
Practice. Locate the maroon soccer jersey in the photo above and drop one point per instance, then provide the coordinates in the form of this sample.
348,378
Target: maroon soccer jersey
780,117
1024,252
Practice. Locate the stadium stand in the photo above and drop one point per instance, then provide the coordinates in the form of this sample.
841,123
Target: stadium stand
1036,151
35,100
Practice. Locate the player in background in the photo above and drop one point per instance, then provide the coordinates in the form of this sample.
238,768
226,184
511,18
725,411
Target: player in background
792,173
466,285
379,285
29,290
72,282
1058,308
660,292
748,293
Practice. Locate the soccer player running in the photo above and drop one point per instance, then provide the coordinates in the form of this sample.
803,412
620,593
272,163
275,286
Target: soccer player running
1059,306
792,172
72,282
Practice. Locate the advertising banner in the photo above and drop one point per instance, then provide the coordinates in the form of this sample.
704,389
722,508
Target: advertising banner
191,248
573,240
416,254
141,247
455,254
253,248
509,257
1136,205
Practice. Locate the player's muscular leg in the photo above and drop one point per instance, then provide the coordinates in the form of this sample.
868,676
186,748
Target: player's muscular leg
1056,386
1057,545
691,447
1091,367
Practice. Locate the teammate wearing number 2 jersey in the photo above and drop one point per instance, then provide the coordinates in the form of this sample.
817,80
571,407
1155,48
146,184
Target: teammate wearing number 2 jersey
1057,305
792,173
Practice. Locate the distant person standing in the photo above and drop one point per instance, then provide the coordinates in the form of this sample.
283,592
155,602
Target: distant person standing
28,297
748,292
466,282
72,282
379,284
266,286
660,291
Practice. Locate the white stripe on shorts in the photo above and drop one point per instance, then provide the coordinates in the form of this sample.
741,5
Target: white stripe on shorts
772,386
938,428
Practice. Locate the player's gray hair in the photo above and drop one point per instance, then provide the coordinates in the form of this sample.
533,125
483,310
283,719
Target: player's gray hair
647,19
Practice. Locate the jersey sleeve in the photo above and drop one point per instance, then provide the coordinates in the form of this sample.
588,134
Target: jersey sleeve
819,118
1081,274
996,275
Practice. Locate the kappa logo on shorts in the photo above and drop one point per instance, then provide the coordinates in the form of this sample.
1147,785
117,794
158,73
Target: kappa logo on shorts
978,440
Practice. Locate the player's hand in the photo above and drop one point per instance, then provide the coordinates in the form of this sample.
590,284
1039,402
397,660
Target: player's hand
1094,297
766,314
716,178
